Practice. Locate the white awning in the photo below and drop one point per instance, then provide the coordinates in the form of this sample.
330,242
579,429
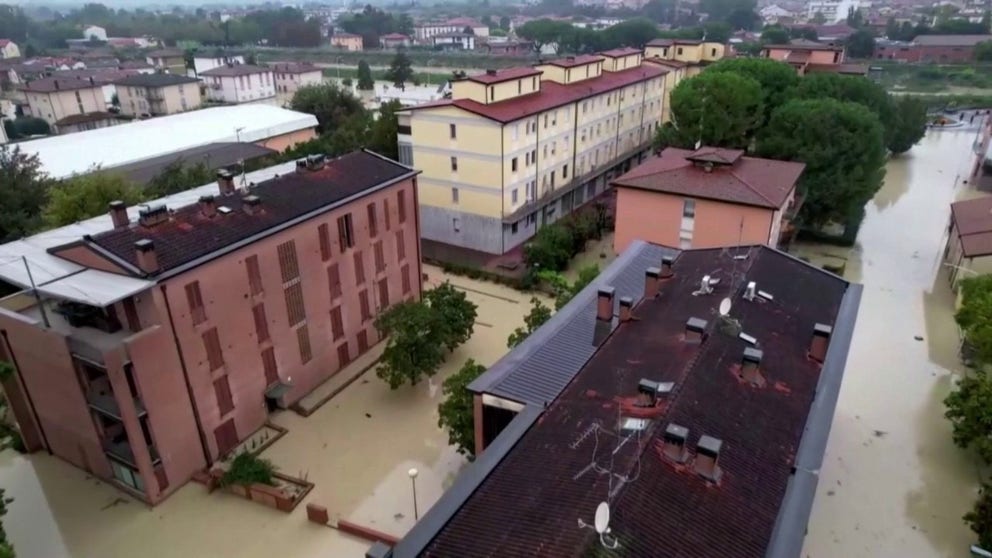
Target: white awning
95,287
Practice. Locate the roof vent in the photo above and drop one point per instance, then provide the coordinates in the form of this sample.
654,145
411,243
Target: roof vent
648,391
208,208
151,216
821,341
223,210
604,304
695,330
145,255
651,283
118,214
626,308
251,204
315,162
751,290
490,72
751,366
666,267
674,443
707,457
706,285
225,182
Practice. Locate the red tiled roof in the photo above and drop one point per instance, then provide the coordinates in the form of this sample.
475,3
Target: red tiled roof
797,56
668,63
52,84
4,42
464,21
571,61
551,95
294,68
503,75
619,52
803,47
571,457
973,219
749,181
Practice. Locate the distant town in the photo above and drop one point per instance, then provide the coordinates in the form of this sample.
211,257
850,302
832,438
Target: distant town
612,278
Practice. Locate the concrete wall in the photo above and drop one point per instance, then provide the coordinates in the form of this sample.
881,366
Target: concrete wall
351,44
57,105
285,141
240,89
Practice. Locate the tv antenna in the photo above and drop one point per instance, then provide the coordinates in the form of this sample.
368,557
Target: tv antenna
601,523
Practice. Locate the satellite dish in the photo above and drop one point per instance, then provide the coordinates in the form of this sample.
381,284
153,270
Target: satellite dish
725,306
602,522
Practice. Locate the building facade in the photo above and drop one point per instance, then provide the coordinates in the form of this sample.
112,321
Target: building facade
240,83
158,94
292,76
89,121
53,99
394,40
192,338
347,41
203,62
810,57
170,60
513,150
948,49
969,241
832,11
694,54
453,41
9,49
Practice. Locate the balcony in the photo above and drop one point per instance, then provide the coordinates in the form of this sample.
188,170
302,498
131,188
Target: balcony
89,331
107,404
121,451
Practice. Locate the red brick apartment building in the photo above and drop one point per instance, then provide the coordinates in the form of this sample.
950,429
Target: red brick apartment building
944,49
154,346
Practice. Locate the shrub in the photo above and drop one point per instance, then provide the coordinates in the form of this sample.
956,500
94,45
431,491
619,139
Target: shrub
980,519
247,469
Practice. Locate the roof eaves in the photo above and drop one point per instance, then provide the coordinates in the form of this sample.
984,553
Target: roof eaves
768,205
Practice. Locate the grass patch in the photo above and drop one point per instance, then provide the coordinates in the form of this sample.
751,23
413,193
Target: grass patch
248,469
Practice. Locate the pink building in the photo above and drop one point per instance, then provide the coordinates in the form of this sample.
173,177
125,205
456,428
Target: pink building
809,57
706,198
152,347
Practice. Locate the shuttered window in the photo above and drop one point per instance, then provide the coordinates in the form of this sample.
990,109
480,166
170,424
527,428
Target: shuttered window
401,205
334,281
303,338
337,324
211,342
405,278
343,356
383,294
385,212
254,275
288,264
346,233
295,311
195,301
400,245
325,242
363,305
222,389
373,223
359,268
380,258
261,325
269,366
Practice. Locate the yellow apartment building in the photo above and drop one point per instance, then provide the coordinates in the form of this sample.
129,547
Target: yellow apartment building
695,54
158,94
515,149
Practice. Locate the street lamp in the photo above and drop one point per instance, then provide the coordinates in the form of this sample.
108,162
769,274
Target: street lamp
413,472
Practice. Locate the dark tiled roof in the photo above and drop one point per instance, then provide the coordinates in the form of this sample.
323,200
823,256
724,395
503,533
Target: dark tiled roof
951,40
572,61
394,37
619,52
670,42
166,53
155,80
552,95
188,236
52,84
504,75
749,181
974,223
294,68
530,502
89,117
214,155
803,46
235,70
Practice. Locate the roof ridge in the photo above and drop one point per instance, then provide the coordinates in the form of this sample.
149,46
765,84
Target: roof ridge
751,187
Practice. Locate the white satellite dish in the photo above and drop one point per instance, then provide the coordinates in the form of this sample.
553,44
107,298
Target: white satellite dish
602,522
725,305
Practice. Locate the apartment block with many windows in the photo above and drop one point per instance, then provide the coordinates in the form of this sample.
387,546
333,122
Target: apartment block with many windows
151,347
515,149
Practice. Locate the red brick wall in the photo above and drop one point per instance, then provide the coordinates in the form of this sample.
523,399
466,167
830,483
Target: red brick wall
925,53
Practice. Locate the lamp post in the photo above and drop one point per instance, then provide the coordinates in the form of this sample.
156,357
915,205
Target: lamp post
413,472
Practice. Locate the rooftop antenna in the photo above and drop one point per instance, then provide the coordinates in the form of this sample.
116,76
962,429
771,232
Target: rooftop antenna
601,524
725,306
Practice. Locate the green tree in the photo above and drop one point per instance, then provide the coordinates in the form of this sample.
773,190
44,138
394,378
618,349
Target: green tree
329,103
717,109
841,145
384,129
860,44
743,18
454,312
818,19
6,548
414,348
400,69
365,81
178,177
634,32
550,249
544,32
538,315
855,19
504,23
456,413
975,318
856,89
909,123
969,408
983,51
775,78
980,519
775,35
23,189
808,33
88,195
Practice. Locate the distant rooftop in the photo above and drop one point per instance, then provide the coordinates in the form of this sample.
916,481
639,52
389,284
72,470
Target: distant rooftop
53,84
620,52
233,70
950,40
293,67
974,225
213,155
572,61
155,80
497,76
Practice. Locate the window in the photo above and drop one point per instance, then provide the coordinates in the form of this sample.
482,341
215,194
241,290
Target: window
343,357
295,310
288,265
380,258
513,196
545,155
359,268
363,342
454,195
564,172
346,233
337,324
363,306
492,93
211,342
545,121
513,164
385,212
401,205
400,245
689,209
520,86
222,389
269,366
452,131
195,300
552,179
303,339
261,324
373,224
514,228
405,278
325,242
678,51
533,83
334,280
454,164
383,293
456,224
516,132
527,158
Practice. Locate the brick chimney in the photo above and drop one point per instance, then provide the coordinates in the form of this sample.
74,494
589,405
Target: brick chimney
151,216
251,204
695,330
604,304
118,214
707,457
208,207
751,366
626,308
821,341
225,182
674,442
147,260
666,267
651,282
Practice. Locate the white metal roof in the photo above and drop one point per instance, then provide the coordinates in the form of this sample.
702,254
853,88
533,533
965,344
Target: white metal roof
64,279
62,156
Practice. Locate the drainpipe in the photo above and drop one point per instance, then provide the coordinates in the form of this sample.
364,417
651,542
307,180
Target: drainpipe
27,392
189,386
502,180
575,151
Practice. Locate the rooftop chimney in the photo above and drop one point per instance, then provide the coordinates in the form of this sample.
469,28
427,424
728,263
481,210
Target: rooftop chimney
751,366
674,442
570,58
315,162
604,304
225,182
151,216
118,214
695,330
649,390
57,84
707,455
666,267
490,72
208,208
651,282
251,204
821,341
145,251
626,308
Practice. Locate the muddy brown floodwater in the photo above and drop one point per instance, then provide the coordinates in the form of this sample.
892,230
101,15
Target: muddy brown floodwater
893,484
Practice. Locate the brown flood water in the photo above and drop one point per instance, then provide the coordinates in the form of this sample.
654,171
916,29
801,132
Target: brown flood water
893,484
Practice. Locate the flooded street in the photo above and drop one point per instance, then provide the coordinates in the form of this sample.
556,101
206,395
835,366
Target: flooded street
893,484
